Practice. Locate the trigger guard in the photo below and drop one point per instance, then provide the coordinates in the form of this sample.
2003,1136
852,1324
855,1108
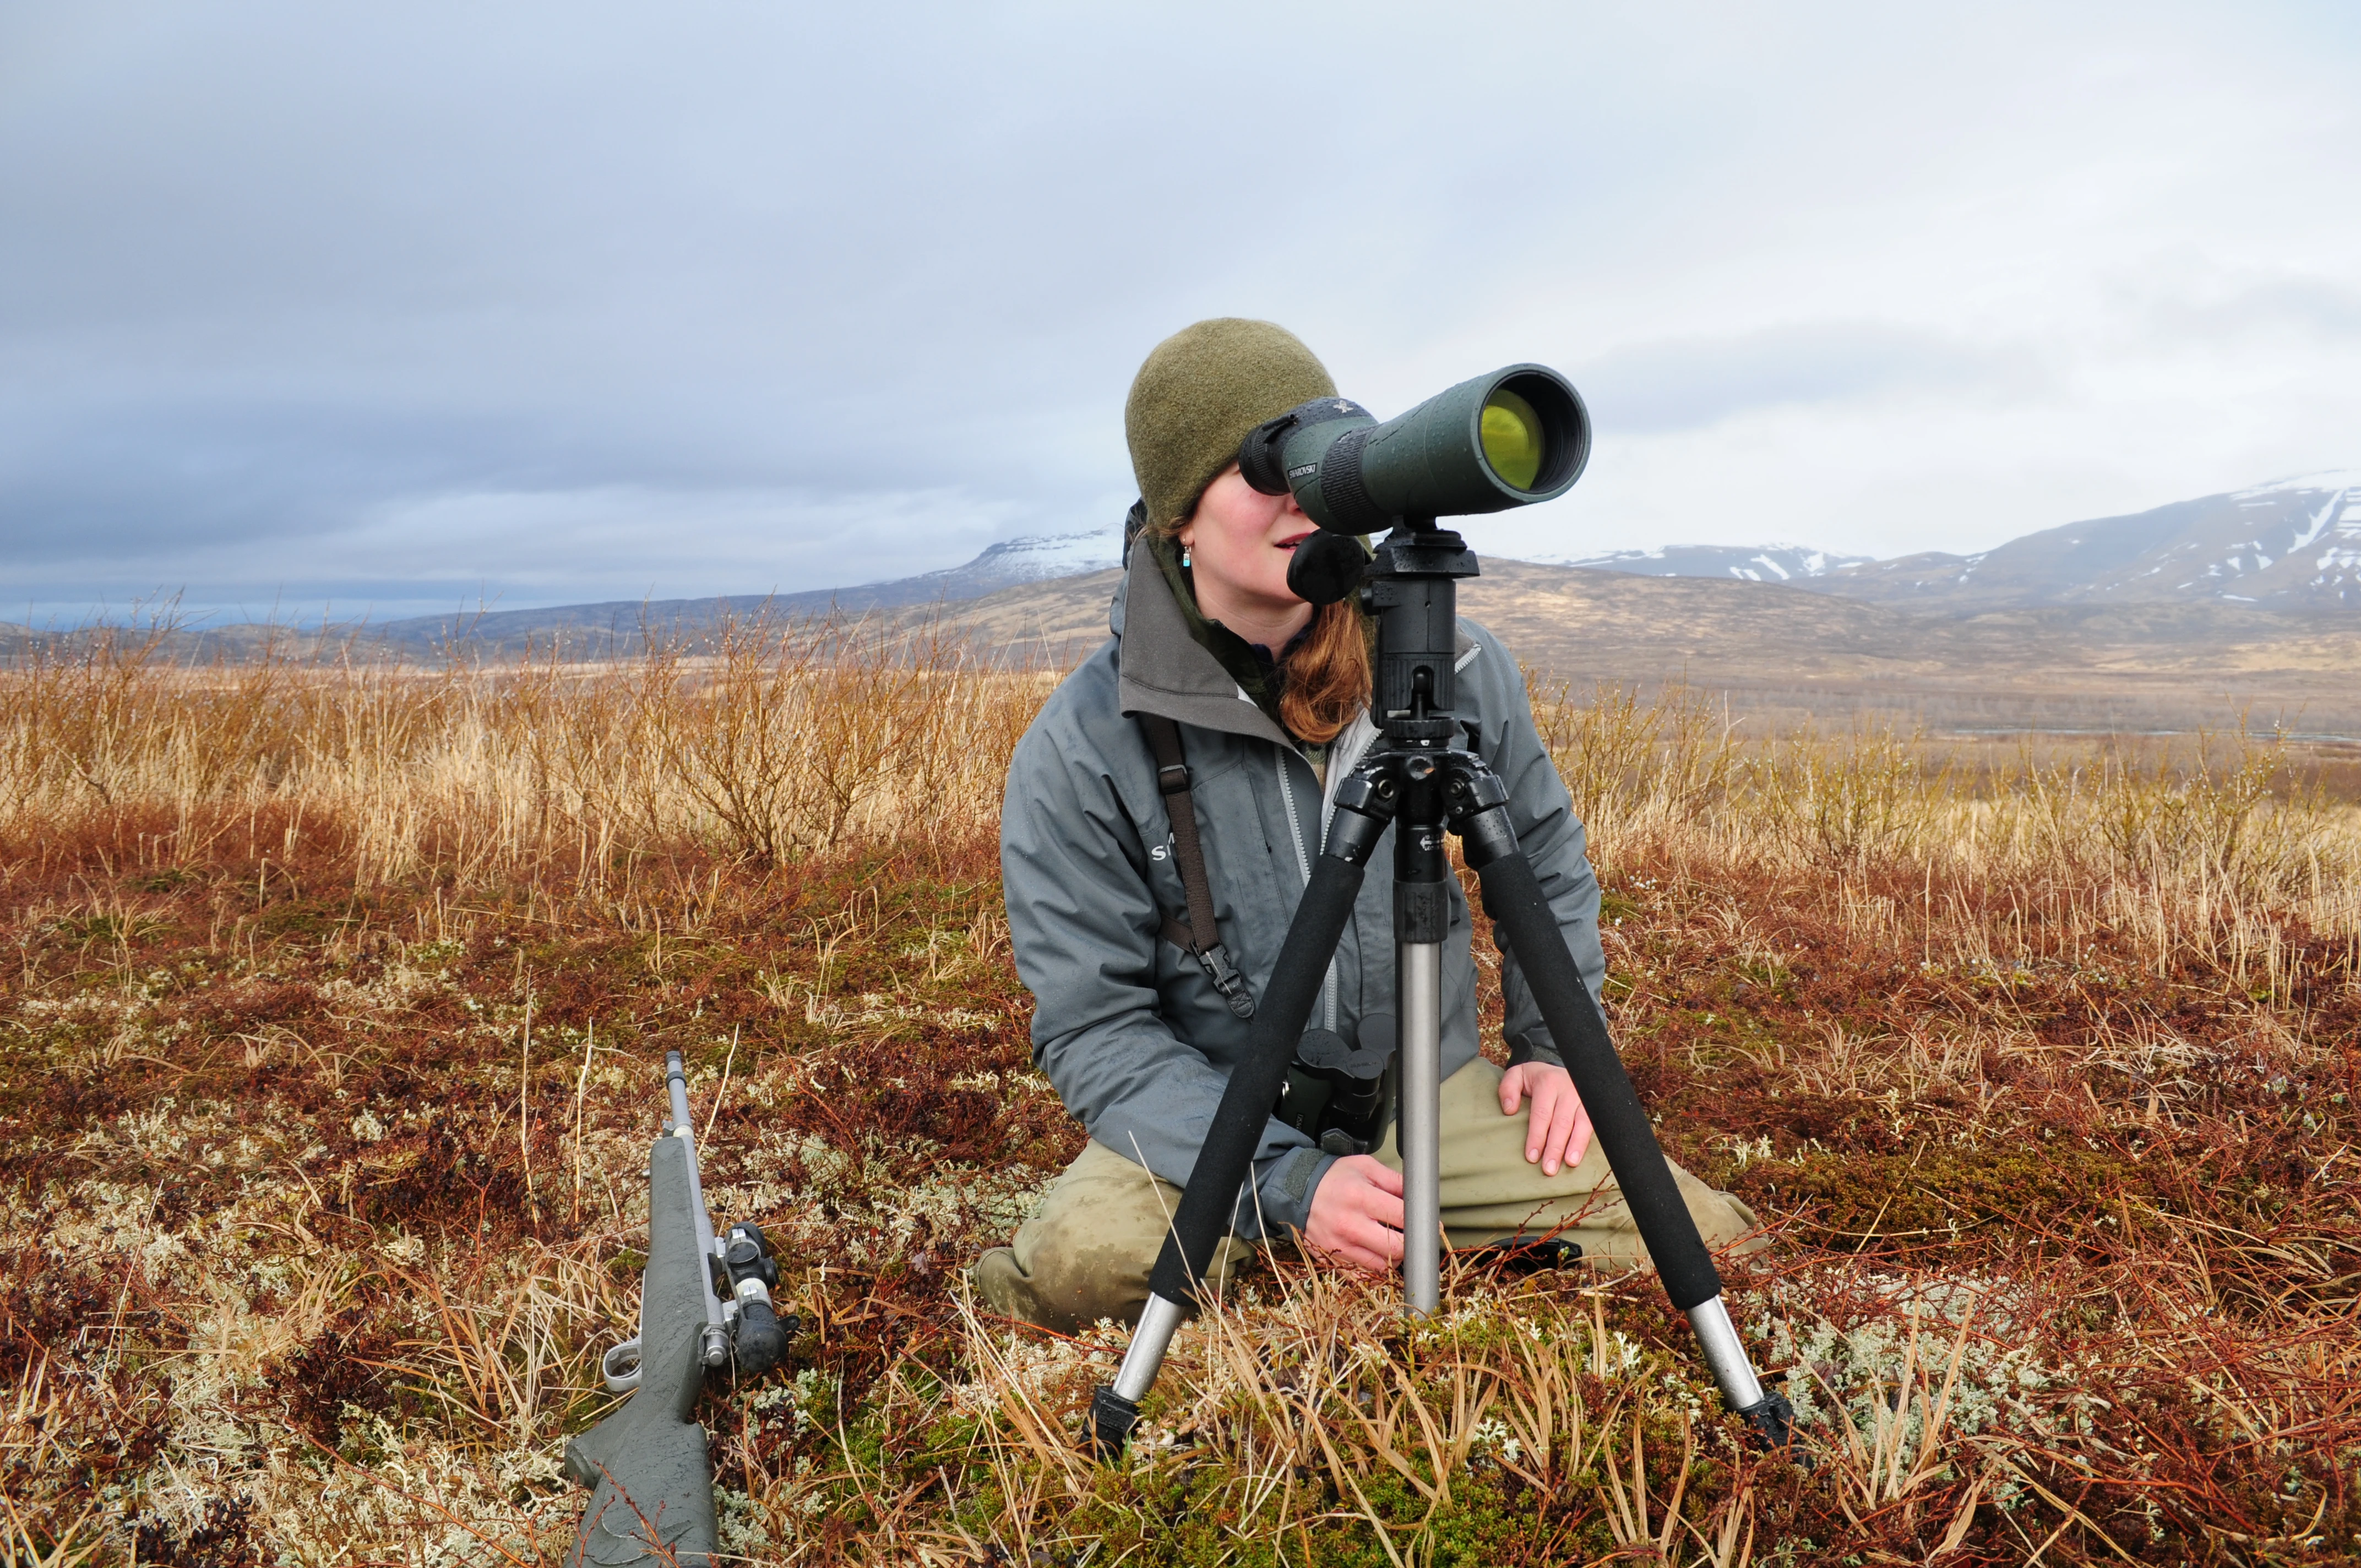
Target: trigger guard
618,1357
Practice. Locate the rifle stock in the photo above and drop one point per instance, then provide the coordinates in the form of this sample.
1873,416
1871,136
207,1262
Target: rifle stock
651,1480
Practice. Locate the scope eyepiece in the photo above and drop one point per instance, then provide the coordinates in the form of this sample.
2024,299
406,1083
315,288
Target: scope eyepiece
1261,456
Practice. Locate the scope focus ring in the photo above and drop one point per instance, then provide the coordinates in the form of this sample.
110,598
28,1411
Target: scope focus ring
1350,510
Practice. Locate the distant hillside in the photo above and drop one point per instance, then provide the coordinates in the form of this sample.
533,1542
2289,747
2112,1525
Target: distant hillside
1777,652
1578,623
2292,544
594,630
1581,623
1747,562
2291,548
1777,648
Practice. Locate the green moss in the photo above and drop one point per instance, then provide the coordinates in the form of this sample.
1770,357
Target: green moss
1181,1513
1944,1188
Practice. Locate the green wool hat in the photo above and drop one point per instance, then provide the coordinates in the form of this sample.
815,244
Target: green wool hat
1199,393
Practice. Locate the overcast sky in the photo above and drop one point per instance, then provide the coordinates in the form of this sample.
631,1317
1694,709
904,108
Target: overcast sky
393,306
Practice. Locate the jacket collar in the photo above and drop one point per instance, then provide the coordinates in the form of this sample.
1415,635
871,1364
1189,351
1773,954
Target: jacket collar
1163,670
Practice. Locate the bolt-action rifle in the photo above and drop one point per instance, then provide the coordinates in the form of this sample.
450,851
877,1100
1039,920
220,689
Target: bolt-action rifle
703,1304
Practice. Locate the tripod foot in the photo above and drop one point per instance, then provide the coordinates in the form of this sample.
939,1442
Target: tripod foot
1112,1419
1773,1421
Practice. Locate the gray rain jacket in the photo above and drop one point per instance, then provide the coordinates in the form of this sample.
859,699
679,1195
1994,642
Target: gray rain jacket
1128,1028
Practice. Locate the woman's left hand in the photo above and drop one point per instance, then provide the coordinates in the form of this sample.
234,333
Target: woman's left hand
1559,1131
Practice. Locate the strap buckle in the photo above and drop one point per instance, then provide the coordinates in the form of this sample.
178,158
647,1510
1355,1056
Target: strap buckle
1227,978
1173,778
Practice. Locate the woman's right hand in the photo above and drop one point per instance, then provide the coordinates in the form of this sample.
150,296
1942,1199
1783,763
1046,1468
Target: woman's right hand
1356,1215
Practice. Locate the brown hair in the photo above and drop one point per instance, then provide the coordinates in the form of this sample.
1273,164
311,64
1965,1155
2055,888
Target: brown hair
1327,675
1326,680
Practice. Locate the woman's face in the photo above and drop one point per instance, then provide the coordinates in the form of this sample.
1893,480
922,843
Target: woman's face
1240,541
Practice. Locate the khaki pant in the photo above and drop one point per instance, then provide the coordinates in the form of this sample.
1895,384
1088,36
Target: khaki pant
1087,1253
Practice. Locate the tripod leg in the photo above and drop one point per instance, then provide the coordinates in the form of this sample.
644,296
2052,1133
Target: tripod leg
1422,922
1514,898
1418,971
1227,1155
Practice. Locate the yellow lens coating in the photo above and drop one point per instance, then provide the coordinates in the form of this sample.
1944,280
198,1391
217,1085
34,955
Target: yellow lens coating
1512,438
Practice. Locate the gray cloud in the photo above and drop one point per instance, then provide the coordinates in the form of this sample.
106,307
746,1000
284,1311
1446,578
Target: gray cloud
593,299
1688,384
276,275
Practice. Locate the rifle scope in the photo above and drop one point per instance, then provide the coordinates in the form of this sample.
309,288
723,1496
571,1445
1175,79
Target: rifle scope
1512,438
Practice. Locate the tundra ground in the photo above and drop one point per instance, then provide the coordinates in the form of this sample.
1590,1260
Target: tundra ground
338,997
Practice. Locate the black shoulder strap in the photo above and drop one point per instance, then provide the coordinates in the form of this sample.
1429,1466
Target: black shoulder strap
1199,939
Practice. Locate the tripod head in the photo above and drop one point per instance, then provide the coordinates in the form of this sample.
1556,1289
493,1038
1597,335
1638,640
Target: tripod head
1410,585
1411,590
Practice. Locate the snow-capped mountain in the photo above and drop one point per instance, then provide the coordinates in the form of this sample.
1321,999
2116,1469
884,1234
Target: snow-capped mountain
2292,543
1753,564
1028,560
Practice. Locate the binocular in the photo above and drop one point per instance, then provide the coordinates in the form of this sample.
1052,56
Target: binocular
1338,1094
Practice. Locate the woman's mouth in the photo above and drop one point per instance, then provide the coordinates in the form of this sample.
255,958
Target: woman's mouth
1298,539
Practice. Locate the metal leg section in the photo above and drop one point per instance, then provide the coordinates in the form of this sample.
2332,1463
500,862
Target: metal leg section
1419,966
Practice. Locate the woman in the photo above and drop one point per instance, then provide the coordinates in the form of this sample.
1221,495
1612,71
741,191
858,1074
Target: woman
1134,1027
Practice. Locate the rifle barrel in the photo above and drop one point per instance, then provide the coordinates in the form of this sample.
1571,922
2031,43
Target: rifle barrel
717,1333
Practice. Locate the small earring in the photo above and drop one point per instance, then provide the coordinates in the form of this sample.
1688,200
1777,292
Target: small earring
1184,557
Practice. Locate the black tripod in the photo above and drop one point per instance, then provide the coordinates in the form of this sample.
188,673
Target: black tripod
1419,780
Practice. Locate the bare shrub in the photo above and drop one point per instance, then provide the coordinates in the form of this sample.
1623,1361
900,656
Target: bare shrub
2207,859
785,736
774,741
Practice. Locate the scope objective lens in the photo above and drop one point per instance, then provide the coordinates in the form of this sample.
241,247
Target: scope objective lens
1511,433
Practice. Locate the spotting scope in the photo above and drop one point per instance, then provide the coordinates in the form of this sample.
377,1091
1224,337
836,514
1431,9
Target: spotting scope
1512,438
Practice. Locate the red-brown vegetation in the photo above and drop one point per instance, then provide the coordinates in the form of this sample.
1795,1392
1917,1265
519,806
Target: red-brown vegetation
337,996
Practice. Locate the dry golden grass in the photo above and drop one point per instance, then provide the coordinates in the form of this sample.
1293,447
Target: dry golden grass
337,990
2204,859
769,743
